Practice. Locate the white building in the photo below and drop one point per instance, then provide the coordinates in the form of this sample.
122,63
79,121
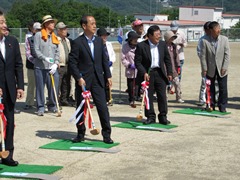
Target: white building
204,13
192,29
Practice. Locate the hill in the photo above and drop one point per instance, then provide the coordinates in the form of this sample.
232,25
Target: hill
128,7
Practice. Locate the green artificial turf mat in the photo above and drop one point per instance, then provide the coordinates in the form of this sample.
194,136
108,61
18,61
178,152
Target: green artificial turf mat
67,144
200,112
134,124
27,168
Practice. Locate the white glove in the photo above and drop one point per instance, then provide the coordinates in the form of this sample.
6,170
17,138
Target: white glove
49,60
53,68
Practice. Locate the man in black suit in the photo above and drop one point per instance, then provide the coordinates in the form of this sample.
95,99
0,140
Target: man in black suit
152,61
11,83
88,65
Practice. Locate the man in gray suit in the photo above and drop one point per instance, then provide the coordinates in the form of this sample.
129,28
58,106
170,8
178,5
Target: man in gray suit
215,57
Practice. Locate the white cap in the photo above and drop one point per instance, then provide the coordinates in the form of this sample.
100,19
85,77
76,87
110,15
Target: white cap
36,26
174,25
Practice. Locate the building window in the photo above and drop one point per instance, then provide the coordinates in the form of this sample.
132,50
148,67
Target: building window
195,12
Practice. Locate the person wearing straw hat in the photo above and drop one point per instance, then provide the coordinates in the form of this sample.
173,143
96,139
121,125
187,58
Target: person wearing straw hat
11,84
46,45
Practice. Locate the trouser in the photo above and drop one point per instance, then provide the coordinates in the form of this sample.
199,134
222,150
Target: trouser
157,84
64,83
98,95
223,91
31,87
177,86
9,114
42,77
181,68
132,89
202,92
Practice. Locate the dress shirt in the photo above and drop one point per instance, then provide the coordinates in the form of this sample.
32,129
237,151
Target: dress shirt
155,55
2,47
91,44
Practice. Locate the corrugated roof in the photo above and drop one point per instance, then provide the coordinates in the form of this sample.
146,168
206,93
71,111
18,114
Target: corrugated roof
201,7
180,22
230,15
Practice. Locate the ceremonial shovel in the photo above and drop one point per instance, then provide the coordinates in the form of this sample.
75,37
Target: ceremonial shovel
3,154
140,116
55,94
94,131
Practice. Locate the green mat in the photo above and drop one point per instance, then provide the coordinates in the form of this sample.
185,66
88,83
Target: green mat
27,168
201,112
136,124
67,144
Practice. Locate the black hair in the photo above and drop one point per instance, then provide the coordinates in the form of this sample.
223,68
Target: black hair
213,24
152,29
30,25
84,20
206,25
1,13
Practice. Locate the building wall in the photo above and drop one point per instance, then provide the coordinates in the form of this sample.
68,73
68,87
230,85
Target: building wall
144,17
197,14
160,18
229,22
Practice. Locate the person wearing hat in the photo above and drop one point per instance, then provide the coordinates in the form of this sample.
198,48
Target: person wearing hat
127,58
46,45
137,26
111,56
181,43
11,86
169,37
64,74
153,61
89,66
31,57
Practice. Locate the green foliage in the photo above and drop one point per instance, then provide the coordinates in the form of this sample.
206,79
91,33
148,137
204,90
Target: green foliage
237,25
70,12
172,12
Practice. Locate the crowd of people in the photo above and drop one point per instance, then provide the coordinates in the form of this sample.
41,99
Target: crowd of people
58,62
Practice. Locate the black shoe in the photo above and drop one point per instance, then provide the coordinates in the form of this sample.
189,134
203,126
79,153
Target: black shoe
65,103
166,122
149,121
27,107
222,110
163,120
9,162
78,139
108,140
16,111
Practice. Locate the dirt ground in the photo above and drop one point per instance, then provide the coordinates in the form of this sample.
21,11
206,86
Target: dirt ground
201,148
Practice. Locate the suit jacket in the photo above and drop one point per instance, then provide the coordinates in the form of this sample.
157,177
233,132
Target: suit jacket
11,68
212,58
143,59
82,64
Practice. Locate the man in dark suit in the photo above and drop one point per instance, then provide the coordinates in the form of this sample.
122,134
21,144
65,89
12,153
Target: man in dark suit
88,65
11,83
152,61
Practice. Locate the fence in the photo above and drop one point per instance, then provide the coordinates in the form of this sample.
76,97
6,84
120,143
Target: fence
233,34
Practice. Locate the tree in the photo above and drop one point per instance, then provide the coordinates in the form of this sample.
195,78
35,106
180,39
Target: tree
172,13
70,12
